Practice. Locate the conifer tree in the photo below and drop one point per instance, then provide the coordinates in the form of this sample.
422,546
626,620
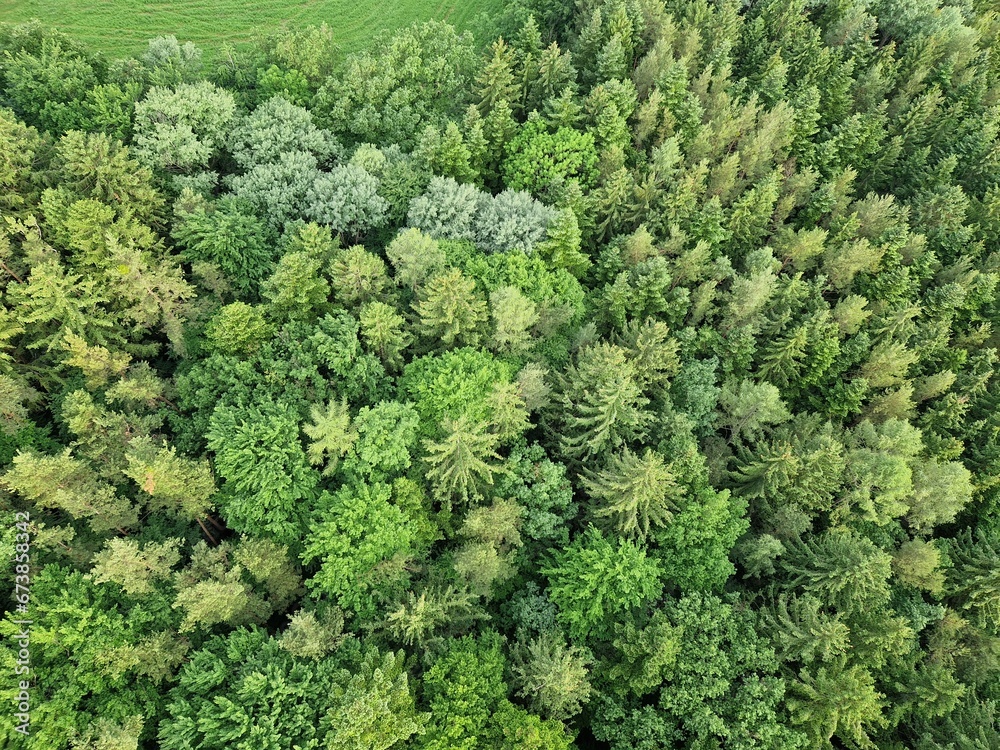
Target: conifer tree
634,492
601,402
449,309
458,463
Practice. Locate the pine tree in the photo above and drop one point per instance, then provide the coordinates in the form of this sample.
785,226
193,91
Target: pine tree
52,301
449,309
176,483
836,701
384,333
802,632
974,581
841,569
495,82
634,492
551,675
134,568
65,483
601,402
357,276
98,364
458,465
562,247
426,620
513,316
415,256
331,434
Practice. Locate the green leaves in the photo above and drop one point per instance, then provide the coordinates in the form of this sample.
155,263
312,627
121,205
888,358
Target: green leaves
538,159
836,701
245,692
134,569
330,433
269,484
180,129
363,543
375,710
387,94
843,569
227,234
601,401
552,676
595,582
449,309
640,371
68,484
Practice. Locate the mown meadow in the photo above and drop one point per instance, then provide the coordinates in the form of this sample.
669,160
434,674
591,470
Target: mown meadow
123,27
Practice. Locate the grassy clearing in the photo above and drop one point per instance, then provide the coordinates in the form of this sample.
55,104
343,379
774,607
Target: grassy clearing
122,27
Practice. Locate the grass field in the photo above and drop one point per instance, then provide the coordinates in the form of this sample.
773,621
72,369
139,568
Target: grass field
122,27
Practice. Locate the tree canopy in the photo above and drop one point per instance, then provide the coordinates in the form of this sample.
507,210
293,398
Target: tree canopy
620,374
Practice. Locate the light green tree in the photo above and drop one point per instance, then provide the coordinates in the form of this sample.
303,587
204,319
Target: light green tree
459,463
634,492
449,308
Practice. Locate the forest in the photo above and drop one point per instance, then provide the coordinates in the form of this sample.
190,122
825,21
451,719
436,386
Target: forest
619,375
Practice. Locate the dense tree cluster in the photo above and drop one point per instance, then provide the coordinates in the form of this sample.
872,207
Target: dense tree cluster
622,378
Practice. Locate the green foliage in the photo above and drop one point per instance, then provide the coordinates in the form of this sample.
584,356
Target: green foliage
268,482
635,493
721,686
277,127
181,129
636,373
836,701
694,549
235,586
48,85
463,689
277,191
601,402
449,309
594,582
415,257
387,434
645,655
374,710
134,569
452,211
347,200
65,483
77,626
330,434
413,78
238,329
245,691
552,676
362,542
458,463
842,569
542,488
229,236
452,384
541,160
